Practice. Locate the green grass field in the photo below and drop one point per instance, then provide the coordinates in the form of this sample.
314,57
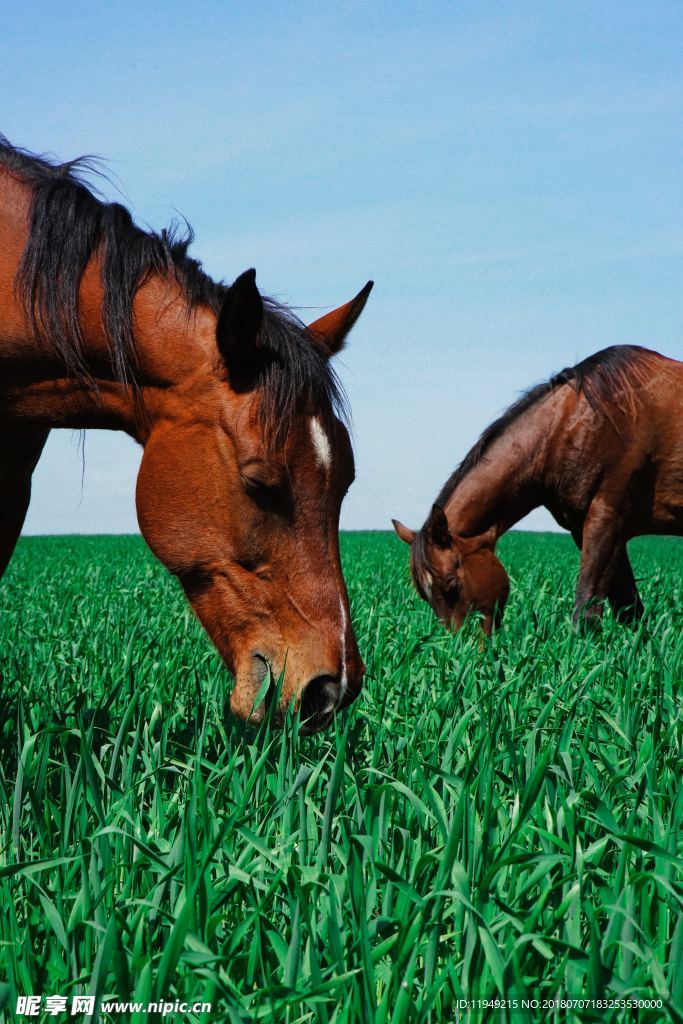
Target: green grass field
488,820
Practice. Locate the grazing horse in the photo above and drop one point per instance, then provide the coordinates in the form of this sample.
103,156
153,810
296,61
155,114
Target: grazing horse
246,456
600,446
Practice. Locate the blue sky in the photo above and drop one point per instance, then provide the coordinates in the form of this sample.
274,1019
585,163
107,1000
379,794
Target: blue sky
508,173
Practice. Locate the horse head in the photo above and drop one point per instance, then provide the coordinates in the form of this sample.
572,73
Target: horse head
239,495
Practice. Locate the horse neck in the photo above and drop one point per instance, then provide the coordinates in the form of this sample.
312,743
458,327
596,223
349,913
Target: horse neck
508,481
174,347
170,364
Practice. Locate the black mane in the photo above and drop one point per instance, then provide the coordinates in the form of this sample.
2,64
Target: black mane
69,222
607,377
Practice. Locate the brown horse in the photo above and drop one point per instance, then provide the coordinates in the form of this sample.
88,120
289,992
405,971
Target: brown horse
246,456
601,447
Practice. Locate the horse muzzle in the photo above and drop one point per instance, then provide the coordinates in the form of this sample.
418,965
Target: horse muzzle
324,693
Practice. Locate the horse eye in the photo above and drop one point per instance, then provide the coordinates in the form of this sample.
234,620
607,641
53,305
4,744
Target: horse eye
262,476
249,564
267,496
257,484
268,488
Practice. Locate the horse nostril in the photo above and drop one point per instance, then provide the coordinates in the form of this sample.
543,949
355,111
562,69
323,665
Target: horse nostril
319,700
259,669
260,672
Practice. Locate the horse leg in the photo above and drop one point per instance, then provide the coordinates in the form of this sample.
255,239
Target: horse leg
602,552
457,619
492,619
22,448
623,594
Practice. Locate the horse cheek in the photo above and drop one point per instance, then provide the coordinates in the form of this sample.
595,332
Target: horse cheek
180,516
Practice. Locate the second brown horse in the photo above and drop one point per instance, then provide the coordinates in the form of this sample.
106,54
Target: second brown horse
600,446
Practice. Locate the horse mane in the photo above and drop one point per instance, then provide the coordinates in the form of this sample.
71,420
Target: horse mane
607,378
69,222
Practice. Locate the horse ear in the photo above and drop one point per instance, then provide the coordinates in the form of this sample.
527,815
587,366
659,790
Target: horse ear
437,528
404,533
239,322
330,332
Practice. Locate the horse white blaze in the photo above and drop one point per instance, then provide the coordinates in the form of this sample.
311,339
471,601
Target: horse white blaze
323,451
321,443
343,679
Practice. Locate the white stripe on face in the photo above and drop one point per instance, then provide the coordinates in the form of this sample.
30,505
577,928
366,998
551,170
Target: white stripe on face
321,443
344,680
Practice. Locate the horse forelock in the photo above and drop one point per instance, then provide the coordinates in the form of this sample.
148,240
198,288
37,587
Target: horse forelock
295,378
69,221
420,566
